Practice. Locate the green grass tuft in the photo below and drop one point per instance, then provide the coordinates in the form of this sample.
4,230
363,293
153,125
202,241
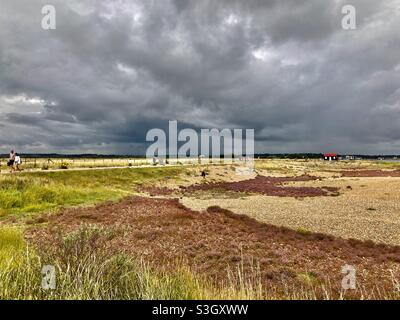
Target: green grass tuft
43,191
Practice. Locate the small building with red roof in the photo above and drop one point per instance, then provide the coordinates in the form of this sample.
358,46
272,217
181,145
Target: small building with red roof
330,156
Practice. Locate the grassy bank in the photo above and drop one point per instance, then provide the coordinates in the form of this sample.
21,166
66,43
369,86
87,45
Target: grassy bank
85,269
41,191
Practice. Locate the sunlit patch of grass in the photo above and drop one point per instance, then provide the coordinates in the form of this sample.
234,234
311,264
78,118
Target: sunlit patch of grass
43,191
10,238
308,278
303,231
11,243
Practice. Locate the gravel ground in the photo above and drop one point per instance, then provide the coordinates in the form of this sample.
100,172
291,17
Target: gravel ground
366,209
163,231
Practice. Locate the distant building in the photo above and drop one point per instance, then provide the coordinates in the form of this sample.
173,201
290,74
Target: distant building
350,157
330,156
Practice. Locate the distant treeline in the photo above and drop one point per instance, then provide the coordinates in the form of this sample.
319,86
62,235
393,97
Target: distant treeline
74,156
320,155
261,156
289,156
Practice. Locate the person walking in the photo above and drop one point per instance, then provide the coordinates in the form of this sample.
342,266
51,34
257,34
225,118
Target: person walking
11,161
17,162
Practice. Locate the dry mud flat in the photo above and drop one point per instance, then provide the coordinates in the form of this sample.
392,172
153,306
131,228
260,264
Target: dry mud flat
163,231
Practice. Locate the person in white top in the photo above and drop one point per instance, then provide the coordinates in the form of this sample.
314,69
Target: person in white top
17,161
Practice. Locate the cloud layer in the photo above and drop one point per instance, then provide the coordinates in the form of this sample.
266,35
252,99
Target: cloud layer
114,69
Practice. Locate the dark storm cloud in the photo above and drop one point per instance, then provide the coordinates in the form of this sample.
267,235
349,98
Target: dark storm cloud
112,70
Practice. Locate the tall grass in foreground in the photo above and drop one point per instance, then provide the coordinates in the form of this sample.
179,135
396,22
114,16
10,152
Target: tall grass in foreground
87,269
10,243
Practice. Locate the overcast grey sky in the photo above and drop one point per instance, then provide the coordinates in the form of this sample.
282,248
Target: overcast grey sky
114,69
